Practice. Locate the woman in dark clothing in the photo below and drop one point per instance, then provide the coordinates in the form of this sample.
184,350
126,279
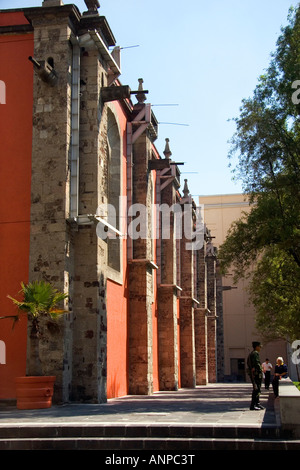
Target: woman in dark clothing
280,372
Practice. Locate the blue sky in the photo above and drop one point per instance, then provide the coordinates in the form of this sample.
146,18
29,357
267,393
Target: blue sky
204,57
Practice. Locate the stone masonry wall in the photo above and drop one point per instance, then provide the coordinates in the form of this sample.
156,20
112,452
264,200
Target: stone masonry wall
167,303
220,325
89,301
211,318
69,255
141,280
187,326
50,246
201,318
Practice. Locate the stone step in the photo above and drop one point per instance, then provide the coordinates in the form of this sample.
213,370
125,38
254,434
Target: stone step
147,444
144,437
141,430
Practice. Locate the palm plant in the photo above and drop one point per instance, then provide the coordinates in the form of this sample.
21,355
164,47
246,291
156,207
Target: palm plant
40,299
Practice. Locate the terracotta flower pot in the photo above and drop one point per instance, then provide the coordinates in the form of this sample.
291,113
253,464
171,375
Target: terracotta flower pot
34,392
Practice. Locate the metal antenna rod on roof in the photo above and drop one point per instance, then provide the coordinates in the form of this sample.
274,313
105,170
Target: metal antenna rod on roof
174,123
129,47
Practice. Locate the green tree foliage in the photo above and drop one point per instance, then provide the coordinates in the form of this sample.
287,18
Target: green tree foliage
276,296
265,243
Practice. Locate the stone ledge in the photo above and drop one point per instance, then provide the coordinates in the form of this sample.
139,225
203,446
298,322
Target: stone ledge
288,389
289,405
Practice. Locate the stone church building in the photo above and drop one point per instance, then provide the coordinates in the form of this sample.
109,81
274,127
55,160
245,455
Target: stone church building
89,204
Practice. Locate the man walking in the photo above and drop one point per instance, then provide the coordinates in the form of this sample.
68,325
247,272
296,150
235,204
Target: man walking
255,373
267,367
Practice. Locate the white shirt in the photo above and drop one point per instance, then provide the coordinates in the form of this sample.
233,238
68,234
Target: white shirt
267,366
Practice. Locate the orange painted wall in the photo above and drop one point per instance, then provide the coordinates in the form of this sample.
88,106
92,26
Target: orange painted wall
178,343
154,305
155,341
117,302
15,179
117,347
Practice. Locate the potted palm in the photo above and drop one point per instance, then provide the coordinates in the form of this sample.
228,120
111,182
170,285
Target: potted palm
40,299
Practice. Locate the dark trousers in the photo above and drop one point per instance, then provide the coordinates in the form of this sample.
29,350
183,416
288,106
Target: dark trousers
256,383
275,384
267,379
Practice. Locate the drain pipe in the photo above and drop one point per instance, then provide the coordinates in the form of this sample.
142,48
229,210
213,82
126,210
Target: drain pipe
87,219
75,103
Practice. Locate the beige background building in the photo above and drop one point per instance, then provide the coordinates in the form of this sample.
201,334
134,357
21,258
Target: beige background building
220,211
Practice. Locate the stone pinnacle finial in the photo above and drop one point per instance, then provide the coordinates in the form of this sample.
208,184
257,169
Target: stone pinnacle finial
140,96
167,151
186,190
92,6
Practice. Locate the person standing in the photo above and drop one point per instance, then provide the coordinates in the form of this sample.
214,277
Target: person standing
255,373
281,372
267,367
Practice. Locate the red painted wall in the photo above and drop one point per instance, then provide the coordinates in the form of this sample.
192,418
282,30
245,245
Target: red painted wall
155,340
154,305
117,301
15,178
178,342
117,349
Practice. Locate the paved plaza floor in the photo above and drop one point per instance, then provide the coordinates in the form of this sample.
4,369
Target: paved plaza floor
220,404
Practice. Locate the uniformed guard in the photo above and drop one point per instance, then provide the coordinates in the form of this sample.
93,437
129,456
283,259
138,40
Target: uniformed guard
256,375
